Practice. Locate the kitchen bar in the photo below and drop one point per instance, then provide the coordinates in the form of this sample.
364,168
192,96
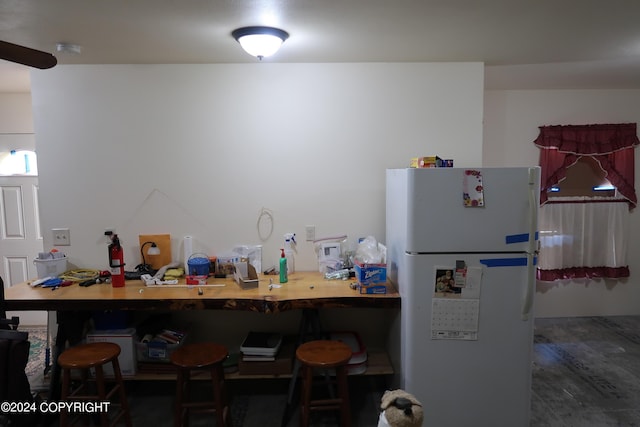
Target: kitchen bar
304,290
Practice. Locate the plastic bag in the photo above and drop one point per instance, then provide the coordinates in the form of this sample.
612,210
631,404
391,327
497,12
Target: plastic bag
369,251
252,253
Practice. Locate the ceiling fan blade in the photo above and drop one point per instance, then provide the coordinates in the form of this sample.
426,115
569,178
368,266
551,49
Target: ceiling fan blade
26,56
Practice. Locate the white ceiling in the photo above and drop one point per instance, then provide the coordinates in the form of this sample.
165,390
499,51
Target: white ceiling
525,44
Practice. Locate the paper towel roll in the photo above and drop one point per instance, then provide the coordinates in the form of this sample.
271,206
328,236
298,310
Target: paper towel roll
188,251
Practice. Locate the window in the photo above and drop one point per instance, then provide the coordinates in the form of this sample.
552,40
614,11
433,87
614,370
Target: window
584,178
610,144
583,229
18,162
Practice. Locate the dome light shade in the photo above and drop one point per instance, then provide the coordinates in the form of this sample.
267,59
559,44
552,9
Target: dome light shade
260,42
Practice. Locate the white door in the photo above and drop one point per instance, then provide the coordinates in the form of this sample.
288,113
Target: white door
21,237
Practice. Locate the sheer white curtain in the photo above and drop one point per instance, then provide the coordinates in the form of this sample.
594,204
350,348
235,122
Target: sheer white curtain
583,237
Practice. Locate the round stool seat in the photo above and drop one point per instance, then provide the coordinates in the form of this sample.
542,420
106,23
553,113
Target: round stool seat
207,356
88,355
324,353
93,387
199,355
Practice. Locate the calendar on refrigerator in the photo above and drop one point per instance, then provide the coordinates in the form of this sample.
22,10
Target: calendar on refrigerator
454,319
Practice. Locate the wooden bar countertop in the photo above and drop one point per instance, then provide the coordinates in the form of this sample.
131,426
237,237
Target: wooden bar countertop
303,290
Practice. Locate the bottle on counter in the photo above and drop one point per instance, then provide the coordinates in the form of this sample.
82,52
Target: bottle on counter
289,246
283,267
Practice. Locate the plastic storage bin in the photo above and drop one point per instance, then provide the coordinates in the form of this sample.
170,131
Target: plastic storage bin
358,362
158,351
50,267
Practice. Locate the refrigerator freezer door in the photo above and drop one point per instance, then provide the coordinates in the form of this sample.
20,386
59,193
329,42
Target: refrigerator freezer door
478,382
438,222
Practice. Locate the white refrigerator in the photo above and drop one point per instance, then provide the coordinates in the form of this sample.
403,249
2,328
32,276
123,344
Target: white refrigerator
461,247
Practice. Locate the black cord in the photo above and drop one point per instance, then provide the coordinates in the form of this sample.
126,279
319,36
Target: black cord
145,269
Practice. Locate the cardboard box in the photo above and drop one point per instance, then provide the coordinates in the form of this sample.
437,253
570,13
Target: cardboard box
196,280
126,339
372,289
427,162
368,274
245,275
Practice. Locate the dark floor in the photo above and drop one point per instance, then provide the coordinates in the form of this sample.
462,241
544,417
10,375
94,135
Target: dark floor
586,373
255,403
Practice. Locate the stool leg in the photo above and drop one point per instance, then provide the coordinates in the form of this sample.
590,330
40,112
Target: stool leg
66,383
219,396
178,416
102,394
86,387
343,393
305,399
124,404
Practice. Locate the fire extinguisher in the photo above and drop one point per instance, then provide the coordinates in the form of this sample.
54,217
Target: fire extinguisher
116,262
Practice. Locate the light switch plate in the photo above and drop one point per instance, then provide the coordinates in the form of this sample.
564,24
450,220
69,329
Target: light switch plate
310,231
61,236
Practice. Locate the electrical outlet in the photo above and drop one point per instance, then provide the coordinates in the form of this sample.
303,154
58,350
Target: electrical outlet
61,236
310,233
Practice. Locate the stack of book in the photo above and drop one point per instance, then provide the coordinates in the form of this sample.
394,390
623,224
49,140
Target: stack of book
170,336
261,346
266,353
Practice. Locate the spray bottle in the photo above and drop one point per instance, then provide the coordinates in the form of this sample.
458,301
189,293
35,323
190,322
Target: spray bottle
283,267
289,248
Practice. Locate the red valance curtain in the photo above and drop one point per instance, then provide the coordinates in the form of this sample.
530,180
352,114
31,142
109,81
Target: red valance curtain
610,144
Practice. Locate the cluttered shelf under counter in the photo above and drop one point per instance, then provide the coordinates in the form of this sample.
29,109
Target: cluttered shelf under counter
303,290
378,363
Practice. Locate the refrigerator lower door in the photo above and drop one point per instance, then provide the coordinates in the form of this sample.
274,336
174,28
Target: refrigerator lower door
478,381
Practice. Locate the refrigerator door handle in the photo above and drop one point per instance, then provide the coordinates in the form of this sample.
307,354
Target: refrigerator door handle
527,300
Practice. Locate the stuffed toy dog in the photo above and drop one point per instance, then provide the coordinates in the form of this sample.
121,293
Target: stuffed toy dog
400,409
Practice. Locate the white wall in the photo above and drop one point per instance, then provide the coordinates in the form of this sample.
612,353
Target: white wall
201,149
511,124
511,120
15,113
16,122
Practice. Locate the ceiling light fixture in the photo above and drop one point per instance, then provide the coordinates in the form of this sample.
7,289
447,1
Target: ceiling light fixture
74,49
260,42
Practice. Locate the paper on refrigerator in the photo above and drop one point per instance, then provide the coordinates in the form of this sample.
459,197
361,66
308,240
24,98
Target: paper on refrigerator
455,306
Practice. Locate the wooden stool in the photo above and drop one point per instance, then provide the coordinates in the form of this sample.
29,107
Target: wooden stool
324,354
209,356
83,357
